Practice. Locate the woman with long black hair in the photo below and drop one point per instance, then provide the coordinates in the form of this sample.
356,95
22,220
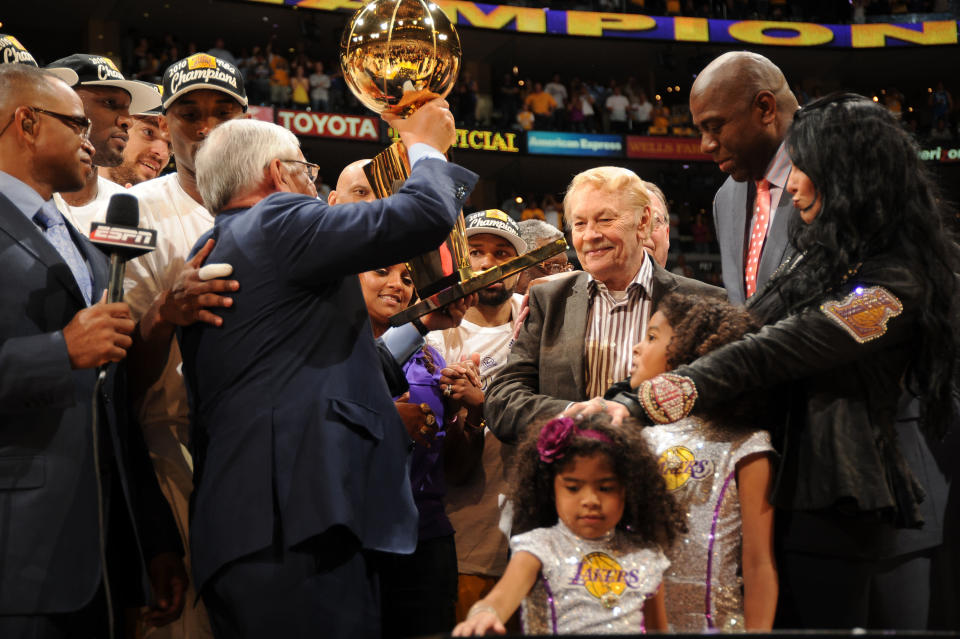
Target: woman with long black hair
864,309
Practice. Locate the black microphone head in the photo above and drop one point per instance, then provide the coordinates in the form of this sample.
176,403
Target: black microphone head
123,210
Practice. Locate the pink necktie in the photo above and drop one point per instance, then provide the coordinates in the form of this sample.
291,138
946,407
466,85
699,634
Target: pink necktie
761,219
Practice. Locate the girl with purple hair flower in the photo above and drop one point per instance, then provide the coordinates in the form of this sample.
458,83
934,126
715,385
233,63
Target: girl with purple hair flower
591,517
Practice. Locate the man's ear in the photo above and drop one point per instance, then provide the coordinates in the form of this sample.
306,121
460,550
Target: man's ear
766,105
26,122
646,222
277,176
332,198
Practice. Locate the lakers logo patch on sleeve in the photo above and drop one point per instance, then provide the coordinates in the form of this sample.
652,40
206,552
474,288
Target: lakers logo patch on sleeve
864,313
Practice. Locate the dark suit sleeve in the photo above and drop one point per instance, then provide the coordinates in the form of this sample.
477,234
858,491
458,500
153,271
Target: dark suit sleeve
795,347
315,242
514,400
392,370
35,373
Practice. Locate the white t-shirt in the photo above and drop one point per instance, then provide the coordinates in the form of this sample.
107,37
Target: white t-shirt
558,91
642,112
492,342
478,509
319,86
586,106
93,211
179,221
617,105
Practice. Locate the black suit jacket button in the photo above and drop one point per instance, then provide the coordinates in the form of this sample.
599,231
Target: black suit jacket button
461,192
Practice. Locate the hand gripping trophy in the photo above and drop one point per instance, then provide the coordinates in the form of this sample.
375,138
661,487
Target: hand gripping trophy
397,55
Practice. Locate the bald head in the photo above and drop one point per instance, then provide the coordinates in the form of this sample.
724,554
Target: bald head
352,185
740,75
743,105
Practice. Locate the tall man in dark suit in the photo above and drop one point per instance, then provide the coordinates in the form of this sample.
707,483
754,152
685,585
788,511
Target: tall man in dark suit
301,458
54,335
742,104
577,339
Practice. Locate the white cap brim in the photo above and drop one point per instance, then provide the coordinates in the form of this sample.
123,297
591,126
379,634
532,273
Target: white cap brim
517,241
142,96
67,75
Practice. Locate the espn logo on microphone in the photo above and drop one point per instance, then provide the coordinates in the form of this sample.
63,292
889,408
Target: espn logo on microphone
128,237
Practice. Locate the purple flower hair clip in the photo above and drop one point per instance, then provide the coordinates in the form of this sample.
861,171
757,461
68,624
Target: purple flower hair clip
556,435
554,438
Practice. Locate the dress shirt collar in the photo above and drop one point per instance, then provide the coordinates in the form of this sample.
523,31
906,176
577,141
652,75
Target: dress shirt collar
779,168
27,201
642,279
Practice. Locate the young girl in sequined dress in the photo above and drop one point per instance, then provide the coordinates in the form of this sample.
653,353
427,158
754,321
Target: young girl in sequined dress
722,574
591,516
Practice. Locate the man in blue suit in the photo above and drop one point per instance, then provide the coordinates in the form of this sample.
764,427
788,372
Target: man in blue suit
301,460
54,335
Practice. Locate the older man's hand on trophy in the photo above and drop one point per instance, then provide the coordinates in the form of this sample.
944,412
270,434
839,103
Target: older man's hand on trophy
431,124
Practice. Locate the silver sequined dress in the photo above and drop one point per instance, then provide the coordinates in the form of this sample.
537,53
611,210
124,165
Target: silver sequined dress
595,586
698,460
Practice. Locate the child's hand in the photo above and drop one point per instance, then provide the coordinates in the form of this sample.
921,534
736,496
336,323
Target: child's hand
482,622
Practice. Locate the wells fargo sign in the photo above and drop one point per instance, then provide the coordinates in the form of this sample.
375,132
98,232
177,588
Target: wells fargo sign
678,29
329,125
663,148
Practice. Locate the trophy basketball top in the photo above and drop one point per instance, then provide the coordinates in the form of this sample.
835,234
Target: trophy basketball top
398,54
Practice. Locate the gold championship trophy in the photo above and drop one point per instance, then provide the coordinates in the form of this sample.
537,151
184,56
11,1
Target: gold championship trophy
396,56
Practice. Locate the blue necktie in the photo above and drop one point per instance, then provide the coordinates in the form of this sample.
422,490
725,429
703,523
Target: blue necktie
55,230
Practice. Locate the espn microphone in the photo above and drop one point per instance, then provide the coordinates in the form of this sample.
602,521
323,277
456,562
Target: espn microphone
120,238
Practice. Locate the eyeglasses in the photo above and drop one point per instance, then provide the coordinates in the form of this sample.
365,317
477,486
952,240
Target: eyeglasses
80,125
313,170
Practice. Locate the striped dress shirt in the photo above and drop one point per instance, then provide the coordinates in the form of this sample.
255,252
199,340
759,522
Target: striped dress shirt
613,327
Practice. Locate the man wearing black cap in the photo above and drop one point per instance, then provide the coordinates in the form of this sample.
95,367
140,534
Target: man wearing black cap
475,499
108,100
55,337
163,288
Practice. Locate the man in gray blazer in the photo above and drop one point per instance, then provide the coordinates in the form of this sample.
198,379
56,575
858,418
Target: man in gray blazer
578,337
743,106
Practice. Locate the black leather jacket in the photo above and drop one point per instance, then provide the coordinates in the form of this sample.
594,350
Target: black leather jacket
836,394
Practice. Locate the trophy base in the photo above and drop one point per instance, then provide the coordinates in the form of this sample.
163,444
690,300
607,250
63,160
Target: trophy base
477,282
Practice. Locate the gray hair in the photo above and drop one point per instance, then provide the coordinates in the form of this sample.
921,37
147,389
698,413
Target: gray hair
537,232
657,194
232,159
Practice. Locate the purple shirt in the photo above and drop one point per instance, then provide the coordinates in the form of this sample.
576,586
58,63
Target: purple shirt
426,465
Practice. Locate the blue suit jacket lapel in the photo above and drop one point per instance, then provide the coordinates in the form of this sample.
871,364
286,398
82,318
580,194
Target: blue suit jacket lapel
31,238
